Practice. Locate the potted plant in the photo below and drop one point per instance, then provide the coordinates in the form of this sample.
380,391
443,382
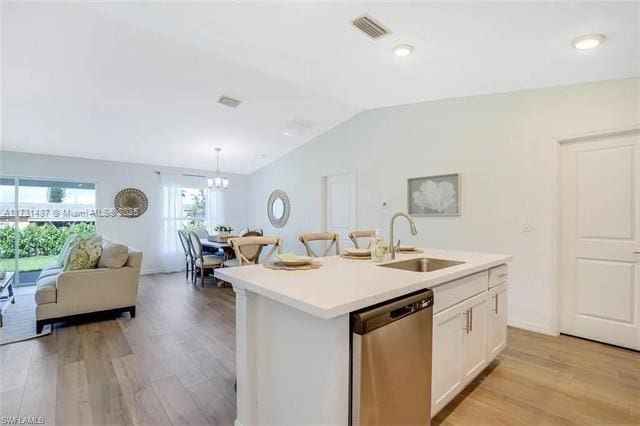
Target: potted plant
223,230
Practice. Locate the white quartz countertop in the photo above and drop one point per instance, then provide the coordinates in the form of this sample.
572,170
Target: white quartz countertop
342,285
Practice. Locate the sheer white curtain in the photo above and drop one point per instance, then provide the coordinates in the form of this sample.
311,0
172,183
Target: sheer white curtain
172,221
173,215
215,210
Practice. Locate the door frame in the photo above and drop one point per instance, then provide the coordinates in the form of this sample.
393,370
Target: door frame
555,249
323,196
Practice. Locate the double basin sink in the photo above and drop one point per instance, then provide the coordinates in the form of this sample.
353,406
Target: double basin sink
422,264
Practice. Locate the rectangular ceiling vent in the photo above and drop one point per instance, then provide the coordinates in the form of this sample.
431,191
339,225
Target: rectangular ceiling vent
370,27
230,102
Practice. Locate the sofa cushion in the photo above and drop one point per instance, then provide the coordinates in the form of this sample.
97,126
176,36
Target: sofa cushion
52,265
46,290
50,270
64,252
84,253
114,255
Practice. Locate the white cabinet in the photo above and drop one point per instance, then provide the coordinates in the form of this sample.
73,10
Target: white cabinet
469,331
497,301
474,338
459,348
446,377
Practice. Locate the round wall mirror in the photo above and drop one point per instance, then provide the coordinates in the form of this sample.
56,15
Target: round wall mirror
278,208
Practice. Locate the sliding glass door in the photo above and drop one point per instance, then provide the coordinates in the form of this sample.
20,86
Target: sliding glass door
37,220
8,225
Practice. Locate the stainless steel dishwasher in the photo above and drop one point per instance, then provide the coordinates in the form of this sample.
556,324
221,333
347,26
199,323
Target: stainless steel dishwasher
391,362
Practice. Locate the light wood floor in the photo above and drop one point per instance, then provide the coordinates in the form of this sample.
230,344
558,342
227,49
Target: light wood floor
175,363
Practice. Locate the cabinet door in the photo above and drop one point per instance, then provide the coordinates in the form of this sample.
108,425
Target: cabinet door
446,380
474,337
497,320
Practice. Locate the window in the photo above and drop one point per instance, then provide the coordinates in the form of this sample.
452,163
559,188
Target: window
186,204
194,207
36,217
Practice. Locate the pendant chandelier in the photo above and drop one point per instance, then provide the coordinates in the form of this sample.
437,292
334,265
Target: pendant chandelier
219,181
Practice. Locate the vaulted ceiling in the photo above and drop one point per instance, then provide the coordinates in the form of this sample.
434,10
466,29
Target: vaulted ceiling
139,81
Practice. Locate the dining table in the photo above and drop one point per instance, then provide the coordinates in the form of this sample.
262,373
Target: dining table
215,245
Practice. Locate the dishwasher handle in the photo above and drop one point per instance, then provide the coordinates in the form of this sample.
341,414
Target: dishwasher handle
400,312
368,319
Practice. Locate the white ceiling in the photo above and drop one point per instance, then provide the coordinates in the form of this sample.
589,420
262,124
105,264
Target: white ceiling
139,81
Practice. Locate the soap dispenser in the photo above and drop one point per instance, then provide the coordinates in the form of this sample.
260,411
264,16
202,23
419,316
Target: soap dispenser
377,248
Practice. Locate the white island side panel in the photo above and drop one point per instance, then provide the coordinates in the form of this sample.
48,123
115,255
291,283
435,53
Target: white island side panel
292,366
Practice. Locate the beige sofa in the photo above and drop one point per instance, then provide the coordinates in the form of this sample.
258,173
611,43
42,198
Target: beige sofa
62,295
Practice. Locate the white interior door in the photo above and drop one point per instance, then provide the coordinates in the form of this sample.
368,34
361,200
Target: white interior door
340,213
599,193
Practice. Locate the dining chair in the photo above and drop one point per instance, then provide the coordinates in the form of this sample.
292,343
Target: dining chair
248,251
354,235
243,231
188,259
305,239
202,261
201,232
245,248
193,252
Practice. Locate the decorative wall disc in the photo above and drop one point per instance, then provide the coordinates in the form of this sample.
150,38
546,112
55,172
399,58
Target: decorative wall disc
131,202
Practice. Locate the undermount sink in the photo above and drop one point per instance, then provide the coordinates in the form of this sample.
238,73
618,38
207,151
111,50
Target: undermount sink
422,264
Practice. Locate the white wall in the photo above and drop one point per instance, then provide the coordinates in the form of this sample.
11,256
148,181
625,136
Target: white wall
505,146
143,232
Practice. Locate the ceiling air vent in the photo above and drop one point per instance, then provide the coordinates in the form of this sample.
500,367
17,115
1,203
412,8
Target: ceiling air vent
227,101
370,27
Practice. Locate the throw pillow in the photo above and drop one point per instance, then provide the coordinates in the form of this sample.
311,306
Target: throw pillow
83,253
65,249
114,255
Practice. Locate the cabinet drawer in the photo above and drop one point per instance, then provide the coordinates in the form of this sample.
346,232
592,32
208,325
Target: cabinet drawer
498,275
453,292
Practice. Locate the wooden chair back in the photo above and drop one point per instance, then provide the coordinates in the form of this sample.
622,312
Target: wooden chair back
251,251
243,242
305,239
354,235
246,231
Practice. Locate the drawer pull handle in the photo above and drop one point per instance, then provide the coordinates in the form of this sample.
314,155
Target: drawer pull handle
467,326
470,319
502,275
495,309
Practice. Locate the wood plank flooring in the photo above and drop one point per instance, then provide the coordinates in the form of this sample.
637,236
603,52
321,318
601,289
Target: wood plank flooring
175,364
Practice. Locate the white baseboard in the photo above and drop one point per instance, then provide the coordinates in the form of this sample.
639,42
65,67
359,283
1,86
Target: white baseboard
151,271
536,328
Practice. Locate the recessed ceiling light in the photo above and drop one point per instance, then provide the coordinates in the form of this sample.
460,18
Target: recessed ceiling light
588,41
403,50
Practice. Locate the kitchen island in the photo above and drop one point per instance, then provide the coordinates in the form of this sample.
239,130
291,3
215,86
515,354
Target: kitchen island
292,330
